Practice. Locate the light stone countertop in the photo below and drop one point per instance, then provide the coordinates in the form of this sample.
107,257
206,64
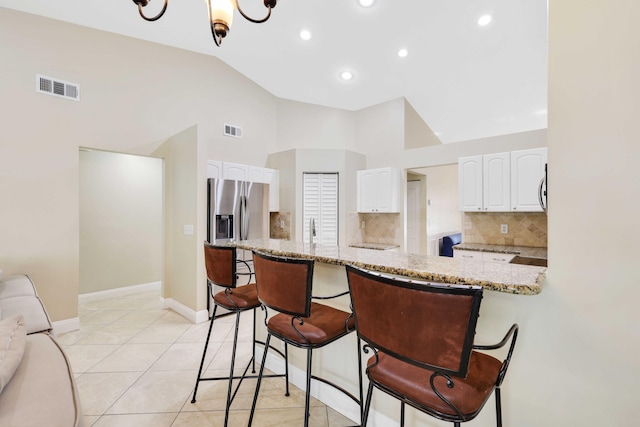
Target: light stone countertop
501,277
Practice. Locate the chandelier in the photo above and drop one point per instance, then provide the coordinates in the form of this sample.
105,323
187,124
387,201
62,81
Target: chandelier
220,15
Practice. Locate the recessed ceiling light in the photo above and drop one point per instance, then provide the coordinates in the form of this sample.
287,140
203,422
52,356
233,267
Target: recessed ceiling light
403,53
346,75
305,34
366,3
484,20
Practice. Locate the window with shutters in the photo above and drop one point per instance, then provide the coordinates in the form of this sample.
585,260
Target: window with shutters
320,202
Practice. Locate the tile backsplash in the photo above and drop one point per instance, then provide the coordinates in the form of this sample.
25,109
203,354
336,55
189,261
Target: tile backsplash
380,228
280,225
525,228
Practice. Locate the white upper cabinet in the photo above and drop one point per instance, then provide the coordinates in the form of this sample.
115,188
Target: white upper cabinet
273,177
501,182
214,169
496,182
527,172
470,184
239,172
379,190
483,183
235,171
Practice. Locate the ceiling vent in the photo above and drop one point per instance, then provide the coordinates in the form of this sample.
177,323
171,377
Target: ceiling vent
234,131
57,87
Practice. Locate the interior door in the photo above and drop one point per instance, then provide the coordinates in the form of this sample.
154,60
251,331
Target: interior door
320,202
413,217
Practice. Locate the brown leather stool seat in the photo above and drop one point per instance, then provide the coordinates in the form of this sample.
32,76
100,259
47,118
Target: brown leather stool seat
243,298
326,324
469,394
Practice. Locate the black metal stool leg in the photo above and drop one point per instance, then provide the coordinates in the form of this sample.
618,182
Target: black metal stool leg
498,408
233,362
204,354
255,396
360,381
401,414
286,368
307,398
253,369
367,405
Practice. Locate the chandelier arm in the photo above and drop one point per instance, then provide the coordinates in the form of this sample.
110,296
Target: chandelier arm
248,18
158,16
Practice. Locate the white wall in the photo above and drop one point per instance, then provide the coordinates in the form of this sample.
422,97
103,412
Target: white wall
589,336
134,95
121,205
303,126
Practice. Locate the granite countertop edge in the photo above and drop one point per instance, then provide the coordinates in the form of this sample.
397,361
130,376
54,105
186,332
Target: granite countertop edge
505,278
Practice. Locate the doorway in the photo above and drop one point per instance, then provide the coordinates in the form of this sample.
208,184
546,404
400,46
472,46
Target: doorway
121,221
414,237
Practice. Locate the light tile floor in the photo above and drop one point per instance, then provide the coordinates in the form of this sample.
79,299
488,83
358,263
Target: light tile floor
136,365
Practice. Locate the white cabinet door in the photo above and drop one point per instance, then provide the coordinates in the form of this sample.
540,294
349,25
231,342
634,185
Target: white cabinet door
214,169
379,190
496,182
470,183
257,174
272,177
484,183
235,171
527,171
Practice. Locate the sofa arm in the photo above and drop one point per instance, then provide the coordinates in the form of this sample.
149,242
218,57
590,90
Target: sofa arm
18,296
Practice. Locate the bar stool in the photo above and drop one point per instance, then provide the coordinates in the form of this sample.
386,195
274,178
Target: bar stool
221,265
421,335
284,285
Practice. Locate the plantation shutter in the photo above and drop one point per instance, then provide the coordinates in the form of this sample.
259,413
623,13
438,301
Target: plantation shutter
320,201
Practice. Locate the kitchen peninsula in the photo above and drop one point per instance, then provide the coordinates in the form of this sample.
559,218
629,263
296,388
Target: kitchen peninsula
507,278
503,304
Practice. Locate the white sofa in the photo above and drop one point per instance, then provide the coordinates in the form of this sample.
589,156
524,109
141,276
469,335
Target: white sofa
39,387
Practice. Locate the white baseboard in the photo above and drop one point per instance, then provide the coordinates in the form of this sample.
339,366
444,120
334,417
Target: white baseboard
118,292
67,325
188,313
325,393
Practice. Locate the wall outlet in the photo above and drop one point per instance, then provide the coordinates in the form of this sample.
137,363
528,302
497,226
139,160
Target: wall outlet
188,230
362,225
504,228
281,224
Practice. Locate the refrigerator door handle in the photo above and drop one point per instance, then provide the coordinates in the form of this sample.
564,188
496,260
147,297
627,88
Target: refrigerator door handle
541,194
244,218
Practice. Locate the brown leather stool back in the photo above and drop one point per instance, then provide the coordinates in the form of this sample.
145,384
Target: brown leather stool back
220,262
423,324
284,284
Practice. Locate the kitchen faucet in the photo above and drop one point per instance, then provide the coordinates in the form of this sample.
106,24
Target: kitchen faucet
312,230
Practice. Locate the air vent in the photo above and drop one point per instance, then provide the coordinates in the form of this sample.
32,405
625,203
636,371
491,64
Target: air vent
57,87
234,131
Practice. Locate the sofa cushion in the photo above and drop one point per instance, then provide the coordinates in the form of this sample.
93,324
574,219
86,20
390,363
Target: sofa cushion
42,391
12,342
18,296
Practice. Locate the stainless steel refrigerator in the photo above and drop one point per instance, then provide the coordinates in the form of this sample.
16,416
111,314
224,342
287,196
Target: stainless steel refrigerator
236,210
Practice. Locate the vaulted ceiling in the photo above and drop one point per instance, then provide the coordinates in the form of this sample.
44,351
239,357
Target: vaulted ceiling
466,81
